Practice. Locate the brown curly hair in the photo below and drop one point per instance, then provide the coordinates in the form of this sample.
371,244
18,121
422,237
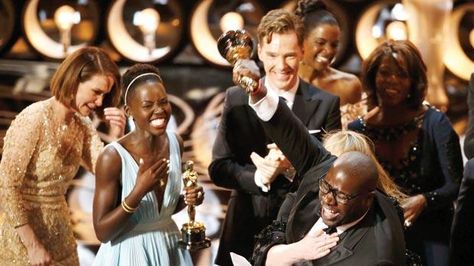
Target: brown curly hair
280,21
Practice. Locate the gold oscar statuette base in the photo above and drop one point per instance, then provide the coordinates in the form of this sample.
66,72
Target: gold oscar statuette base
193,237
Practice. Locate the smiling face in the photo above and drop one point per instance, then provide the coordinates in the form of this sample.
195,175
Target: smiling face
320,46
149,106
392,81
91,92
353,176
280,59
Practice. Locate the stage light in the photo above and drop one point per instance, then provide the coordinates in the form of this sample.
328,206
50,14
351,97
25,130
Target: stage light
8,22
459,53
231,21
398,12
147,21
55,29
397,30
145,31
380,21
211,18
344,23
65,17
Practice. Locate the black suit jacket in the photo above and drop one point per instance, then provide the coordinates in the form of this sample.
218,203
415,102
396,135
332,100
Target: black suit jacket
240,133
462,230
376,240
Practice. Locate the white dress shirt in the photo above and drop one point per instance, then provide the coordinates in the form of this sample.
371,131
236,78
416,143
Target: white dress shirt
339,229
289,96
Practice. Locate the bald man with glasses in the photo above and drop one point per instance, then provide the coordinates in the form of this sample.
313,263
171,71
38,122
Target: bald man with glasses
337,195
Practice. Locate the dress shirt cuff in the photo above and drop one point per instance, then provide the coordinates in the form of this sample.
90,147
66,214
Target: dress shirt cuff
259,183
290,174
267,106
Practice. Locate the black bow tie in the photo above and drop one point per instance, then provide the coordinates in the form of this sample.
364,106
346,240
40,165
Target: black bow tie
330,230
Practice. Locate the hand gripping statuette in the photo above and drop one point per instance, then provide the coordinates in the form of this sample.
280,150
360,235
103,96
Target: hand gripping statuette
233,46
193,234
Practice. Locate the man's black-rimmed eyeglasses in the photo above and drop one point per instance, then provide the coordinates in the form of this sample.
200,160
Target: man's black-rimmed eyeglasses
339,196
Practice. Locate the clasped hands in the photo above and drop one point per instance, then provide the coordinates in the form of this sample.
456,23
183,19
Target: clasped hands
270,166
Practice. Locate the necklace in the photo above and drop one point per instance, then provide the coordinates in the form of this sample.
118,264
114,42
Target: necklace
392,133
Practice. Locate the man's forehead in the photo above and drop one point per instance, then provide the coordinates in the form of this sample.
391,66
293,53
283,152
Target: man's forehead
277,40
342,180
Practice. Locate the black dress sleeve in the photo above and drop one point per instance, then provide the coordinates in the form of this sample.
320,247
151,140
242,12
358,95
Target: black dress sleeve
448,150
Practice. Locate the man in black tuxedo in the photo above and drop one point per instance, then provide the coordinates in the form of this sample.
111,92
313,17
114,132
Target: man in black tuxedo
462,230
241,160
335,193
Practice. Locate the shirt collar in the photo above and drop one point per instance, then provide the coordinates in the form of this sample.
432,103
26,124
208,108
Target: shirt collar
289,95
342,228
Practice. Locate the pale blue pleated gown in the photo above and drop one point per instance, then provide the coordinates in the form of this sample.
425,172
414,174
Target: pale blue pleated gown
151,237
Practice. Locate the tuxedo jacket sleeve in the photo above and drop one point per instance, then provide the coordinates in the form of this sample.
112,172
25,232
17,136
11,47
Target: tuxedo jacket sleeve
291,136
462,231
231,166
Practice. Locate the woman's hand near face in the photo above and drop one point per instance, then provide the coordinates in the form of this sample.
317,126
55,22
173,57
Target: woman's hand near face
193,195
117,120
150,173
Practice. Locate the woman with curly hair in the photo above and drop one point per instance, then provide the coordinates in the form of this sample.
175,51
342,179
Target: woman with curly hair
415,143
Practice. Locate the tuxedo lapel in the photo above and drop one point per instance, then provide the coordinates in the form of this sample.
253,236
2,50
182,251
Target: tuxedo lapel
348,241
345,247
304,104
303,215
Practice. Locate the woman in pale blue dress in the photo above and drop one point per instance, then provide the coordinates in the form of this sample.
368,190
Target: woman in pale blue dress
139,184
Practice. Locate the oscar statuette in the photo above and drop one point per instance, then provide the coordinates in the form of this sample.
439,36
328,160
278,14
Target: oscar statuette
236,45
193,234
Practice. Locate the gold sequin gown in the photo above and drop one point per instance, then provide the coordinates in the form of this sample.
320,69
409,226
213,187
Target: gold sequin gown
39,161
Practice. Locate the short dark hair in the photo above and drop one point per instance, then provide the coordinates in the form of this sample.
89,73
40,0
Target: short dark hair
136,70
416,68
81,66
280,21
314,13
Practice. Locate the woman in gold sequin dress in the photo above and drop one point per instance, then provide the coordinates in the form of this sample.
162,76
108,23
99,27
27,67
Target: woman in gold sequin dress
321,41
44,147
